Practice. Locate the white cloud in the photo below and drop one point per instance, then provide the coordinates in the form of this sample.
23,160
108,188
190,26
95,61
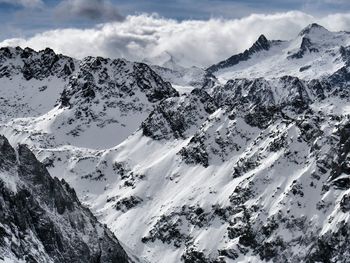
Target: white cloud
24,3
191,42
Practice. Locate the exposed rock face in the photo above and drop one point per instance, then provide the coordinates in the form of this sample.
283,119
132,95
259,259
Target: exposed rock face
114,78
34,65
41,218
345,54
173,117
306,46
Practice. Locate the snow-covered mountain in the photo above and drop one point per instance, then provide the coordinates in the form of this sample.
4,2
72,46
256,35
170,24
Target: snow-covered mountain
183,79
247,162
314,53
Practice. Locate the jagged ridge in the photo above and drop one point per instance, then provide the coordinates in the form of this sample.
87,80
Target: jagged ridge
261,44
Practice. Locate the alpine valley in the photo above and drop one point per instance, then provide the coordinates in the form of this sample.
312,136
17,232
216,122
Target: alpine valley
245,161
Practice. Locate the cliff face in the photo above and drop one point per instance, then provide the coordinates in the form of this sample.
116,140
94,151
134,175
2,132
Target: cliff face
41,218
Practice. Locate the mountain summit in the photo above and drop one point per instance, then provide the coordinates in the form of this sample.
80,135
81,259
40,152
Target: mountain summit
261,44
313,28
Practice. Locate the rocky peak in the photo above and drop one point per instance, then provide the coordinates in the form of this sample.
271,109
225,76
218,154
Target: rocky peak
34,65
261,44
6,53
305,43
93,63
313,28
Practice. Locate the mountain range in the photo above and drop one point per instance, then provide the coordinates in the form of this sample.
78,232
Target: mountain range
245,161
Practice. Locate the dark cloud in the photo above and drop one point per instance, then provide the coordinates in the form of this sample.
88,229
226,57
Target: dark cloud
96,10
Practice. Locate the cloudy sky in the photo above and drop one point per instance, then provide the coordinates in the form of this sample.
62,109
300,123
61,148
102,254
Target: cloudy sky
195,32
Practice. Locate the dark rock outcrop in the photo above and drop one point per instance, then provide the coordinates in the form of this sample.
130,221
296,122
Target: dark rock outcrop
175,116
119,79
41,218
305,46
35,65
